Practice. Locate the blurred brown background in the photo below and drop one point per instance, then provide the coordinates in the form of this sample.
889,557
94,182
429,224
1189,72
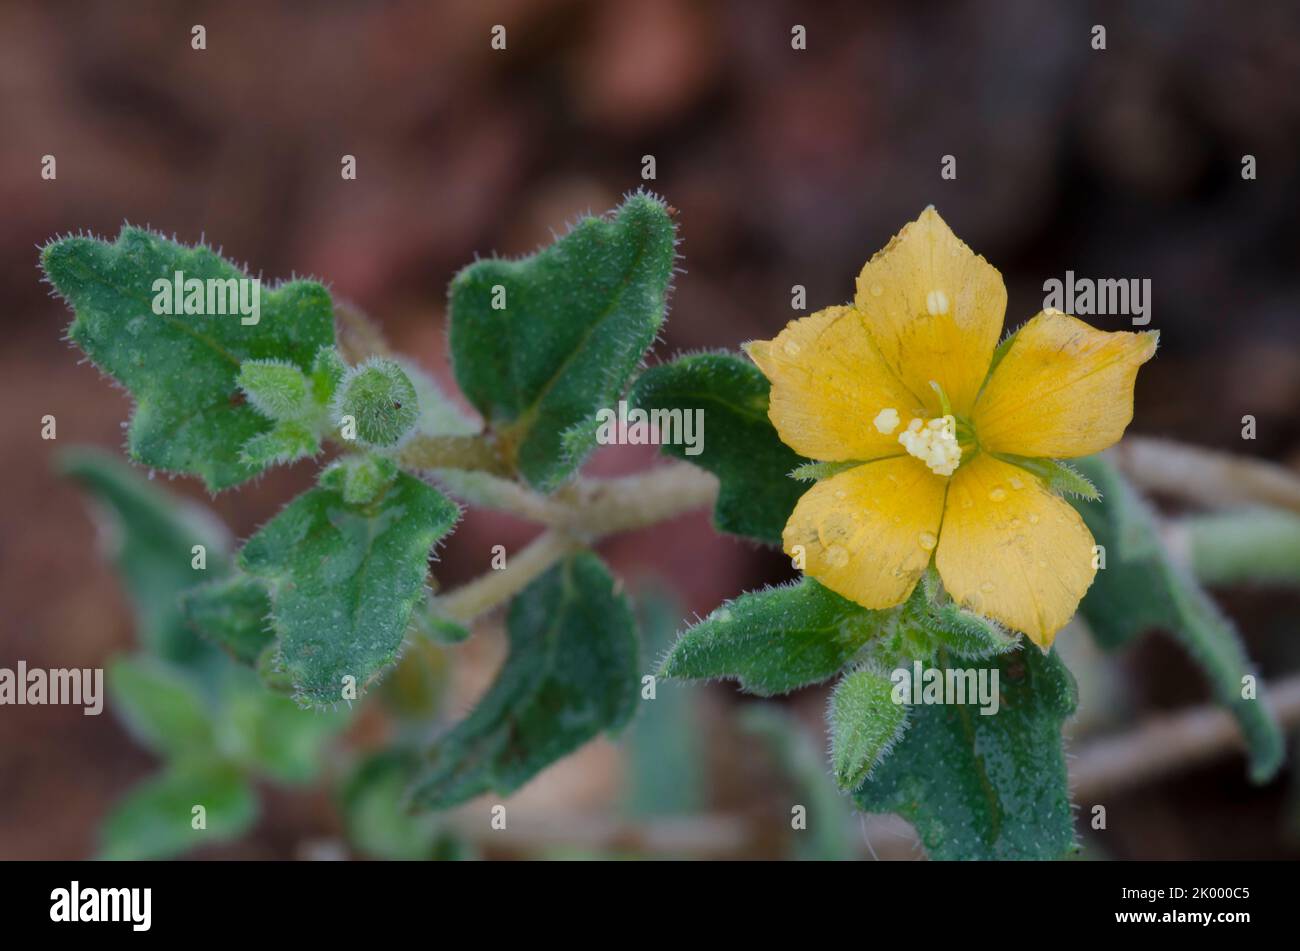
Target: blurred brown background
788,167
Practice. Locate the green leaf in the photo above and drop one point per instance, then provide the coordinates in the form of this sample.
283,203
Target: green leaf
156,819
373,800
181,368
285,443
382,400
160,706
986,787
277,389
269,734
827,837
569,327
233,613
149,534
739,446
571,673
344,578
816,471
776,640
1141,588
865,723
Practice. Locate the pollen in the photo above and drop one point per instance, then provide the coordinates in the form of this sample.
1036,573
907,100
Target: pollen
887,421
934,443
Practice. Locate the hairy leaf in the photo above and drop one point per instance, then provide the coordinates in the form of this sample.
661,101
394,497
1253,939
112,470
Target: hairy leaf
571,673
539,345
741,447
865,723
181,368
344,578
1142,589
776,640
986,787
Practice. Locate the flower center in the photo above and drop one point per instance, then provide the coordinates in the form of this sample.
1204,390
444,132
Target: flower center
934,442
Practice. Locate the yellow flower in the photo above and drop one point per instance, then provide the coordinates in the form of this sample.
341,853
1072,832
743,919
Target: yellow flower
904,381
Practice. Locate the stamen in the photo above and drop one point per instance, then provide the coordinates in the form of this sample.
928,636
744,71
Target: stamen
887,421
934,443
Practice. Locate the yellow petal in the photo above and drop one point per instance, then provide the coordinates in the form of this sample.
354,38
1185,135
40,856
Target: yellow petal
1063,389
934,309
1013,551
868,533
828,385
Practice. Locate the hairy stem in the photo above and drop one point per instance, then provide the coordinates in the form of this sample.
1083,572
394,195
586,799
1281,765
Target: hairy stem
579,514
487,591
452,452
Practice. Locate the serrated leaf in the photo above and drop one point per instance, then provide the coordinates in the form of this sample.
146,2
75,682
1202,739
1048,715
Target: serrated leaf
569,326
344,579
155,820
776,640
865,723
234,613
181,369
738,444
571,674
149,534
162,708
986,787
1141,589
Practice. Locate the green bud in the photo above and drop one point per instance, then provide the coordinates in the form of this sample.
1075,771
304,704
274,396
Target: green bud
359,479
381,400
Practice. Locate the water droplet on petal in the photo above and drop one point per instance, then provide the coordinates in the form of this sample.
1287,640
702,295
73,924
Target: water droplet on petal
1016,483
837,556
927,540
998,494
876,290
791,348
1034,518
987,587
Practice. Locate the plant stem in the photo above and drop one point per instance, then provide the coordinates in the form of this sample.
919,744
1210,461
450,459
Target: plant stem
452,452
578,514
1214,479
487,591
